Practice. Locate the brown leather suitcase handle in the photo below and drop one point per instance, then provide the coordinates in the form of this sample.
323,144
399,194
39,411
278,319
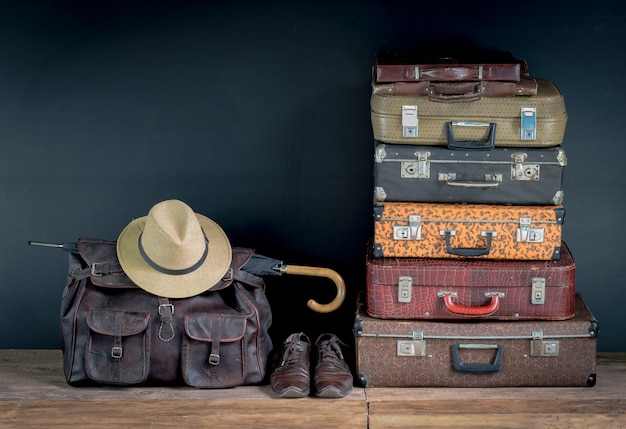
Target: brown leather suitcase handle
320,272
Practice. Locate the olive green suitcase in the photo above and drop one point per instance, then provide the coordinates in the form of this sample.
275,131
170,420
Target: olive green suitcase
518,121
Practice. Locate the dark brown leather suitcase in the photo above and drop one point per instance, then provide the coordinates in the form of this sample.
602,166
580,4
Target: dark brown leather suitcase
410,353
522,176
411,67
437,289
459,91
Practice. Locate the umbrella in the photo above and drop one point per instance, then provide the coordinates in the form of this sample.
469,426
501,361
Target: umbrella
68,246
260,265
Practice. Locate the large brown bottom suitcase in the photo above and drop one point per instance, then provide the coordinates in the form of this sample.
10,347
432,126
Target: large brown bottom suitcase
410,353
428,288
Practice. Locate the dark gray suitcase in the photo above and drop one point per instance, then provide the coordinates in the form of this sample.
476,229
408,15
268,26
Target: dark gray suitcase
520,176
468,353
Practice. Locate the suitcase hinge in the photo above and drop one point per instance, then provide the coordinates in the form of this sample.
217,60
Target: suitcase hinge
414,347
411,232
541,347
418,169
538,290
409,121
526,234
405,286
558,197
529,123
523,171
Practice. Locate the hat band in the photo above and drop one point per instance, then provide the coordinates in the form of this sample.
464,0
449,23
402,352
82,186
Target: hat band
169,271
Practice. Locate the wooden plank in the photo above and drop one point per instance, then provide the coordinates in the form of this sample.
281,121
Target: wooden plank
34,395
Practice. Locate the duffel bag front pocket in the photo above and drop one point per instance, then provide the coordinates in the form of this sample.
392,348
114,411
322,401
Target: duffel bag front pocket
213,350
118,349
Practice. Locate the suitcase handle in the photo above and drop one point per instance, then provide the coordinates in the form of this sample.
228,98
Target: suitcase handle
454,92
472,184
468,310
470,144
477,368
468,251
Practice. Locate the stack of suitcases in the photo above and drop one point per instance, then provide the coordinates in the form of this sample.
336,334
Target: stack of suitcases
469,282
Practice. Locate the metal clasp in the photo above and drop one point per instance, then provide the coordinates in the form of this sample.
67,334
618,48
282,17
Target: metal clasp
538,290
214,359
526,234
409,121
522,171
528,123
405,286
411,232
418,169
541,347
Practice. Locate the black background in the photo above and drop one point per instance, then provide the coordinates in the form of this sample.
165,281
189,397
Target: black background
256,114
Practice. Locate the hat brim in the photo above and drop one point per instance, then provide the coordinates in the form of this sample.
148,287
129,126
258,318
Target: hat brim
214,268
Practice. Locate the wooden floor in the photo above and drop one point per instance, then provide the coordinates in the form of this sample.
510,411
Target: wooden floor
33,394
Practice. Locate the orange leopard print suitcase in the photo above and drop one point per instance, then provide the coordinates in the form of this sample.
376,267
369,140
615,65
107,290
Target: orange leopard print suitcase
432,230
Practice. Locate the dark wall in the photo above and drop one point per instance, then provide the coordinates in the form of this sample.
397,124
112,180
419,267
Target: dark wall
256,114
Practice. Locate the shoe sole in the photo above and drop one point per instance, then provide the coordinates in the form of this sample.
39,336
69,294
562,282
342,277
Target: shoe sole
329,392
293,393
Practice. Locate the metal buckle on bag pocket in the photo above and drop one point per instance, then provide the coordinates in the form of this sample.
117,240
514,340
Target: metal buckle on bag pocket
94,271
116,352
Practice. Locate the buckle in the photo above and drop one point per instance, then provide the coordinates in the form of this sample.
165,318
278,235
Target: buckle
94,272
116,352
214,359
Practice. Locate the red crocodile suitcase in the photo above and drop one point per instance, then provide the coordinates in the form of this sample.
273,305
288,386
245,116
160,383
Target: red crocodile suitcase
470,353
426,288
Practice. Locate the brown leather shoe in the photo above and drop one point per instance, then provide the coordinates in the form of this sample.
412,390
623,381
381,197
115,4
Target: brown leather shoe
292,378
333,378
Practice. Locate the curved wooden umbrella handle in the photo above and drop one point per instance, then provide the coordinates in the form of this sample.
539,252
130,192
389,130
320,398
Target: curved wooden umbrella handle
320,272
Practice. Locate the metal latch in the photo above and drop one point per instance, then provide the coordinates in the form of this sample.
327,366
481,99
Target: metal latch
418,169
409,121
526,234
414,347
412,231
522,171
541,347
538,290
529,123
405,286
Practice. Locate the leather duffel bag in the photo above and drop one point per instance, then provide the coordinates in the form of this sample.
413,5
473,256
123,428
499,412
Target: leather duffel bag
114,332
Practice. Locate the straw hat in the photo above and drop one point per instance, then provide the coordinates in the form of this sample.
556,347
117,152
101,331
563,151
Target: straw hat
173,252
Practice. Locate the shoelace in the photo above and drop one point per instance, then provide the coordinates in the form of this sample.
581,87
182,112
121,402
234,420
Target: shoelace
293,354
330,350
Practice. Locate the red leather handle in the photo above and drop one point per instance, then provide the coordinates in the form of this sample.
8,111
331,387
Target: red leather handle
468,310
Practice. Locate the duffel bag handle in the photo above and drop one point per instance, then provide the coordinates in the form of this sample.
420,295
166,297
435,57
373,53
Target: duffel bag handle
468,310
303,270
468,251
477,368
453,143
